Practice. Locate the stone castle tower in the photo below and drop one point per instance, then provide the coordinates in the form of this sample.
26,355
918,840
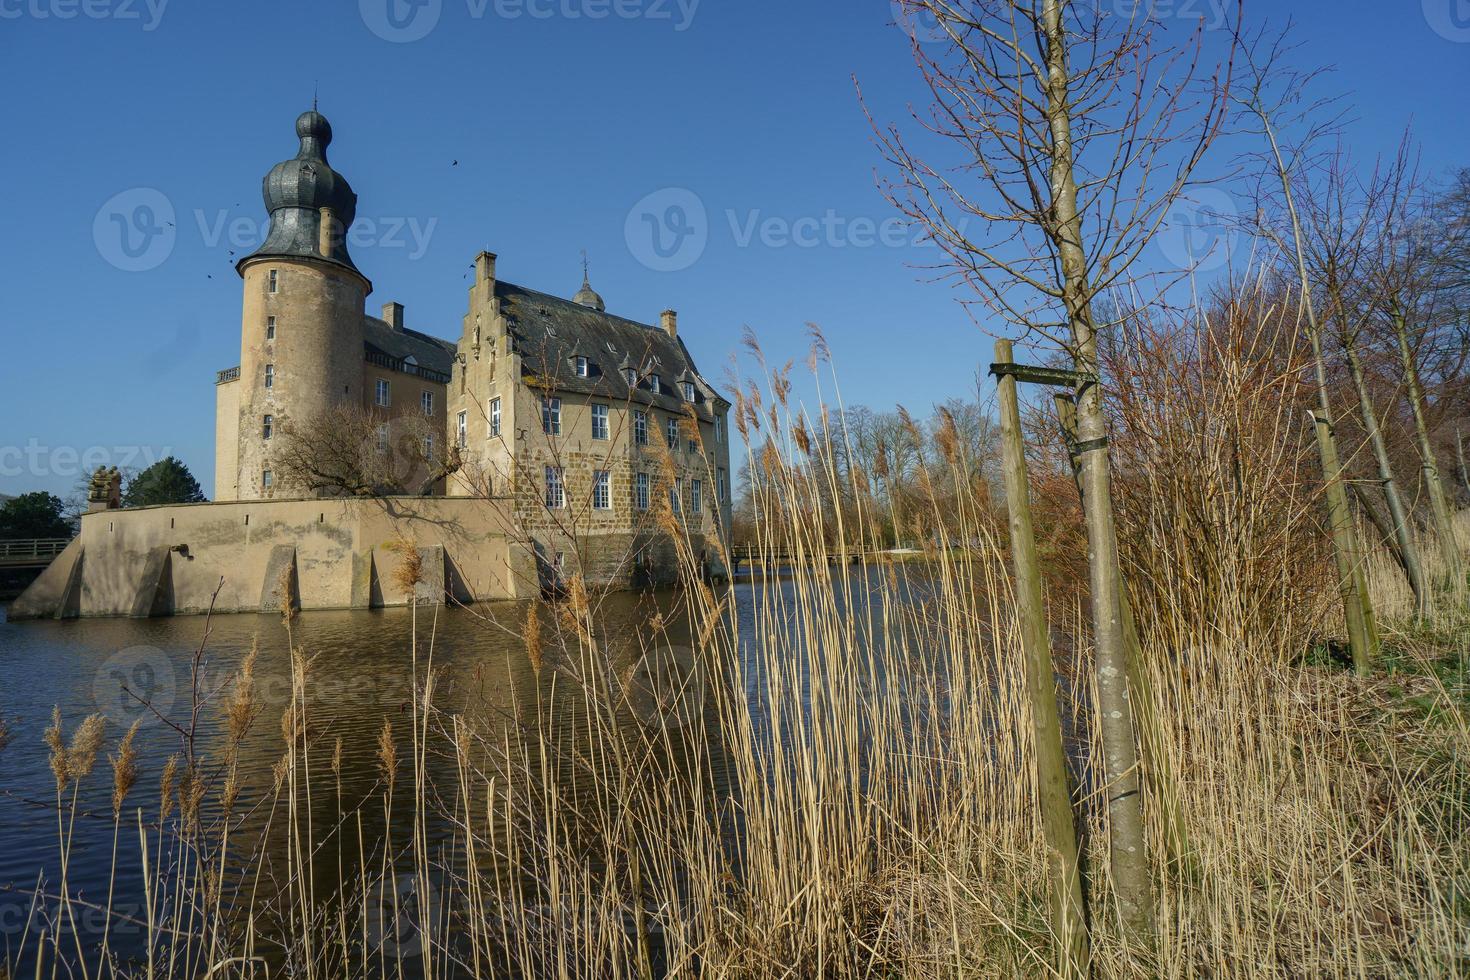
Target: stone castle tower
302,310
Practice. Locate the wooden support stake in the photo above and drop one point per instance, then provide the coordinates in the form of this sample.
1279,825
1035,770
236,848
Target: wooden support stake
1052,782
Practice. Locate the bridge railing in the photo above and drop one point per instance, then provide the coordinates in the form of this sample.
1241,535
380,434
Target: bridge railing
17,549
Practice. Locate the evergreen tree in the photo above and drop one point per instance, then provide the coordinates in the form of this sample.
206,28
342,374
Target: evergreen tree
167,481
33,515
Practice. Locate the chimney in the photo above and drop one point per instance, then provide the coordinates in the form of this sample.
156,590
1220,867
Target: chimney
326,232
669,320
393,315
485,267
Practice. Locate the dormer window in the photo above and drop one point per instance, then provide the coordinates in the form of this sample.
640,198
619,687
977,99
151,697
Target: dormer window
582,367
688,387
630,376
655,384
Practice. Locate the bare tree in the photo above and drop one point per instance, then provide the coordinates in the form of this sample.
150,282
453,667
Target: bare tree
1267,96
1343,221
1065,132
354,452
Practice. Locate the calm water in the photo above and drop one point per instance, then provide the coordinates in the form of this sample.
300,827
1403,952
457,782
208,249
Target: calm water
360,675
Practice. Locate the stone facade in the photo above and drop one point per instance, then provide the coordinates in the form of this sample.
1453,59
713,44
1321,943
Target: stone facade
558,411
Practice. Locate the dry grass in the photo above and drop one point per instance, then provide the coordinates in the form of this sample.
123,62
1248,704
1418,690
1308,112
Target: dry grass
851,792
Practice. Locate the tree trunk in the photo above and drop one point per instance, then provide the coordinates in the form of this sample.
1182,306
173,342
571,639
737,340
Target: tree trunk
1439,505
1460,458
1128,856
1356,609
1357,605
1053,783
1403,532
1379,521
1158,766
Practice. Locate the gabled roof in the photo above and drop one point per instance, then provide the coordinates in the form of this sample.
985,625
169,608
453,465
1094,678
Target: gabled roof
428,352
548,332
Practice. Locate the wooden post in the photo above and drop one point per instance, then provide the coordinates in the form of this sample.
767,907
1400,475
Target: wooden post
1460,457
1356,607
1158,766
1052,782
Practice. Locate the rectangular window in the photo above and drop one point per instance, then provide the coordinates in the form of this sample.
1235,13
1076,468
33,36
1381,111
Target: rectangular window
462,430
426,402
556,495
693,446
599,421
494,417
551,416
688,387
382,393
270,375
671,432
266,425
270,328
719,428
720,486
266,479
382,438
640,428
602,490
273,280
694,495
655,384
674,502
640,491
429,446
581,365
630,376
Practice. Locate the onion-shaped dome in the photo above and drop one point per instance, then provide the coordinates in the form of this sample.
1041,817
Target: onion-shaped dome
587,296
296,191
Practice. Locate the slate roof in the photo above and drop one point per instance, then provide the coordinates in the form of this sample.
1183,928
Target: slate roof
431,353
549,332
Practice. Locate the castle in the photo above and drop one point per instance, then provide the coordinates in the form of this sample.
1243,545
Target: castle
553,438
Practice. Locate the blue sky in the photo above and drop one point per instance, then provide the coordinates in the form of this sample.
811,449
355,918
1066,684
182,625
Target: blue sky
571,120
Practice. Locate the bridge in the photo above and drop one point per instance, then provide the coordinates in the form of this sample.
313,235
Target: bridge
772,557
31,553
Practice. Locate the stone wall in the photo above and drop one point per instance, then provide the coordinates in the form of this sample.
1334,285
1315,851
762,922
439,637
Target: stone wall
337,554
